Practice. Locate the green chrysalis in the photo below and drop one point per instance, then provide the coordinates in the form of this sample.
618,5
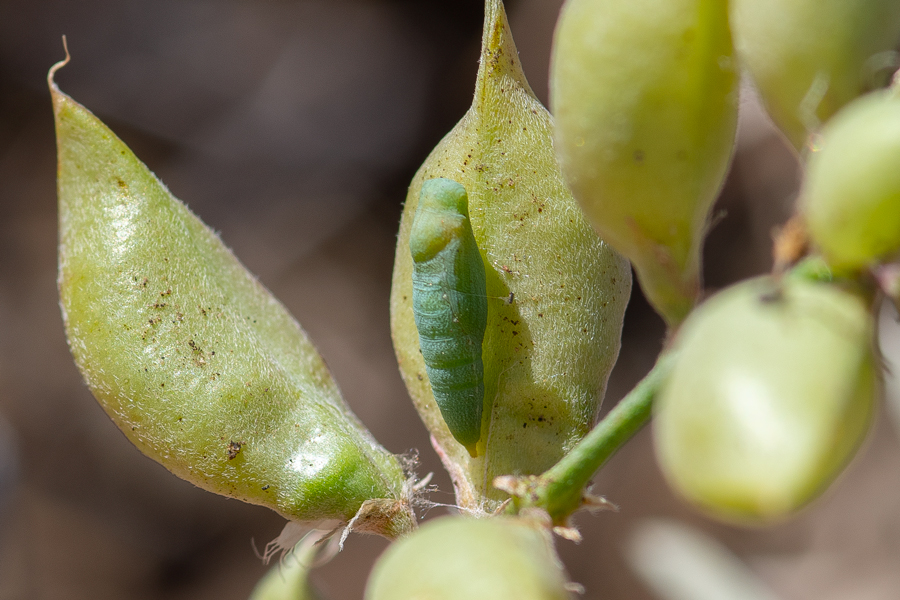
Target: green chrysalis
450,305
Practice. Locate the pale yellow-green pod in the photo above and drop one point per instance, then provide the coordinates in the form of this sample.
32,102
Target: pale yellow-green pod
808,58
644,93
194,360
771,393
460,558
851,196
555,292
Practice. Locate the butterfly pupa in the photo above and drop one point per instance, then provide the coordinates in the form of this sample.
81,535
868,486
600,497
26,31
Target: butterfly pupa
450,306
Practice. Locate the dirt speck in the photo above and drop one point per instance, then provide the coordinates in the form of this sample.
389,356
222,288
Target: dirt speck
234,448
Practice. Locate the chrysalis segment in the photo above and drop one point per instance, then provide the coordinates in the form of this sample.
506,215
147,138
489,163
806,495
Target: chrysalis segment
450,306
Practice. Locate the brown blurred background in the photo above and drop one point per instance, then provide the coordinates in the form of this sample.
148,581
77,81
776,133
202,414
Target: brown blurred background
293,128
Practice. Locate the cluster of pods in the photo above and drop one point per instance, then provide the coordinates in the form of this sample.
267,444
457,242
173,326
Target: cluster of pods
512,274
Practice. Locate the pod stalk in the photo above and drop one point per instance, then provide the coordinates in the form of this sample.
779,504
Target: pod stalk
560,489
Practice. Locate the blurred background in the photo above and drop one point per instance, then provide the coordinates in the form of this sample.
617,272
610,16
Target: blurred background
293,128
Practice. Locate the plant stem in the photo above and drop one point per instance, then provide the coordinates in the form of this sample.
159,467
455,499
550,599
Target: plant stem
560,490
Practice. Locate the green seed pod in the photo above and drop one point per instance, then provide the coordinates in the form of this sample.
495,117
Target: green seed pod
771,394
556,293
200,367
851,196
645,99
460,558
808,58
450,306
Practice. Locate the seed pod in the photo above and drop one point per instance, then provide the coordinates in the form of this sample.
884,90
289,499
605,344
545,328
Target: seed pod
645,99
450,306
808,58
197,363
851,196
456,558
548,353
771,394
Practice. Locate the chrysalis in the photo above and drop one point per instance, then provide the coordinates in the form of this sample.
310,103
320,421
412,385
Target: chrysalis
450,305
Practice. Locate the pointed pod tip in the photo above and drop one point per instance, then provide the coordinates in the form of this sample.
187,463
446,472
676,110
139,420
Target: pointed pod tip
54,89
499,56
495,26
493,9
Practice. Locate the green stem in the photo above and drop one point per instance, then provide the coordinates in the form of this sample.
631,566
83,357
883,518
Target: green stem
560,490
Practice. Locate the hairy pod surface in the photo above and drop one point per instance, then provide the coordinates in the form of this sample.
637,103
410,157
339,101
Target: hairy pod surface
450,306
851,195
808,58
771,395
548,353
644,94
460,558
194,360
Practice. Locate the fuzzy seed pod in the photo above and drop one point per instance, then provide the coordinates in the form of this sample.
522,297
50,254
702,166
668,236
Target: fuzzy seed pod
556,293
770,396
809,58
194,360
644,93
851,196
459,558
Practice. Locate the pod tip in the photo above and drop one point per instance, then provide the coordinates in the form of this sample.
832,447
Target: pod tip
52,73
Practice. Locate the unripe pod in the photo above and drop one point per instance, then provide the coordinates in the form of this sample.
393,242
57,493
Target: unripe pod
460,558
644,94
851,196
548,352
771,394
808,58
200,367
